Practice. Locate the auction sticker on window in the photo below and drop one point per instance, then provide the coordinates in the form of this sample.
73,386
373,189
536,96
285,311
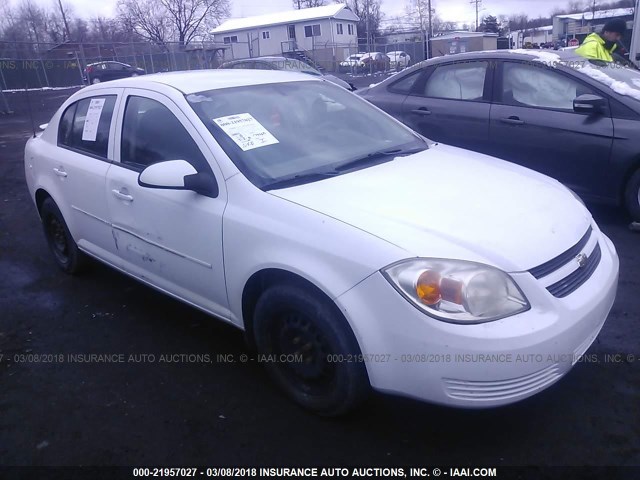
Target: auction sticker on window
246,131
90,130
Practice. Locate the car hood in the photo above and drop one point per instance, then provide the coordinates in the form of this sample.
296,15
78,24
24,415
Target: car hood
446,202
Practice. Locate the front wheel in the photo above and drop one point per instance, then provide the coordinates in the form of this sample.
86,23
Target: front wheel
632,196
65,251
310,350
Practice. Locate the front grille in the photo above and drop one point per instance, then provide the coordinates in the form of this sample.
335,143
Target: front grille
573,281
501,389
562,259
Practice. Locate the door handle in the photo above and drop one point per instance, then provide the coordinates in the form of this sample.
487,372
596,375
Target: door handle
421,111
122,196
513,120
60,172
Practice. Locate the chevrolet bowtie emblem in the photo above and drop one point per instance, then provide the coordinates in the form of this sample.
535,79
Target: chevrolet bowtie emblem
582,260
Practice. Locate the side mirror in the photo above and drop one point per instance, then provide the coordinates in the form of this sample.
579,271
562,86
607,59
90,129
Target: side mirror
178,175
589,103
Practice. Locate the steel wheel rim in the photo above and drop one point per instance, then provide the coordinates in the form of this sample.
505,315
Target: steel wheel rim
294,334
58,239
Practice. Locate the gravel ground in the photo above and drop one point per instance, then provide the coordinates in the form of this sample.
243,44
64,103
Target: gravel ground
184,413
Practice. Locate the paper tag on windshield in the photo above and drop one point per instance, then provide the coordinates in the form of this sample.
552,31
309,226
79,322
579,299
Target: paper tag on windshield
90,130
246,131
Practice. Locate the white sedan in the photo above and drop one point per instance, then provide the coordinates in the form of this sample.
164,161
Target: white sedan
399,59
353,252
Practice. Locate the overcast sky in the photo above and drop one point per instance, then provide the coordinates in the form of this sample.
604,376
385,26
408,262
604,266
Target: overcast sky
454,10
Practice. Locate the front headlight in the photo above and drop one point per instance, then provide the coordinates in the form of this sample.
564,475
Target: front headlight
457,291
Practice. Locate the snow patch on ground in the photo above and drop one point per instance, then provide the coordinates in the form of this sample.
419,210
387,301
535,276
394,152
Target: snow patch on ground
14,90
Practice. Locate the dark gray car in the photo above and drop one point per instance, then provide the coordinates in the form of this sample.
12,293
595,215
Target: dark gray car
105,71
572,119
284,63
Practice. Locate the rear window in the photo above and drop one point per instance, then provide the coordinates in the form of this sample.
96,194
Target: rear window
85,125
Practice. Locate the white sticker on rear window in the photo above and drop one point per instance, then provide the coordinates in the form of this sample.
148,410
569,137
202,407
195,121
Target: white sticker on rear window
246,131
90,130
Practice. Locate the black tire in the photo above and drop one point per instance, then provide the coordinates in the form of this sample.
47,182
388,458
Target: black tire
292,320
632,196
65,251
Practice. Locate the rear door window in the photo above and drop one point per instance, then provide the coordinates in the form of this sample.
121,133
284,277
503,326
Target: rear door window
85,125
458,81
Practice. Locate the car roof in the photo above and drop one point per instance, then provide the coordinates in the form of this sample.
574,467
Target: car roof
203,80
520,54
549,57
107,61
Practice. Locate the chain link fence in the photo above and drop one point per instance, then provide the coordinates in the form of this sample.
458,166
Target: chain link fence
41,65
38,65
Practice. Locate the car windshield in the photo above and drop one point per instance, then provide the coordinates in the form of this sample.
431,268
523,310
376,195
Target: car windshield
622,80
290,133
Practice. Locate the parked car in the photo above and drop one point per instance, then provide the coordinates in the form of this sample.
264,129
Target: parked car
284,63
351,64
104,71
374,61
353,252
398,60
554,112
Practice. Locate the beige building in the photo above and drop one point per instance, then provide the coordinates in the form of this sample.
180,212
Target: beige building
461,42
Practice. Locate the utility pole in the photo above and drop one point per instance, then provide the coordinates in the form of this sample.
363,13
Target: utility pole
477,3
64,19
368,41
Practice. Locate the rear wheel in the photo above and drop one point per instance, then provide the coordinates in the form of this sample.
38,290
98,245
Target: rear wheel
311,350
632,196
65,251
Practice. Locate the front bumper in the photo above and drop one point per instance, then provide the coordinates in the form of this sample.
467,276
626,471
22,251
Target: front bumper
411,354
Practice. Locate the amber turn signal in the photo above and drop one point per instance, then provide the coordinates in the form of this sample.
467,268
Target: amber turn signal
428,287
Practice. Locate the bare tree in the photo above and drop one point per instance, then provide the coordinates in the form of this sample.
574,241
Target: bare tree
172,20
300,4
192,18
32,16
144,17
419,10
369,23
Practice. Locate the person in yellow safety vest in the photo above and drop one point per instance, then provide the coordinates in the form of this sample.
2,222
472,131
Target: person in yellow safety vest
600,46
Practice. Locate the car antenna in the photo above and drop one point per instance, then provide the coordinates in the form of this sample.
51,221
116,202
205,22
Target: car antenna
33,125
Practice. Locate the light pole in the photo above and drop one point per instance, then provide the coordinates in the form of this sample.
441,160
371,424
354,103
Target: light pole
430,33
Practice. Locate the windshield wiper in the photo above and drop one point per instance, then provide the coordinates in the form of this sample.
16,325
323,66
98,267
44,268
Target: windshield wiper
373,157
299,180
